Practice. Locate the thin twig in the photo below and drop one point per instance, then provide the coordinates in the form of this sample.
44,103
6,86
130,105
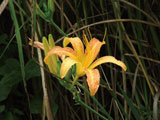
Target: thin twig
155,106
3,6
110,21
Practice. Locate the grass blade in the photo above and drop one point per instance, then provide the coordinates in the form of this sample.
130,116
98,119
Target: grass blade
20,50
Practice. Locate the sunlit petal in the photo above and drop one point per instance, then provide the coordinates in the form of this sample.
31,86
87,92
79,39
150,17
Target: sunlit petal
92,51
61,52
66,41
108,59
66,65
85,40
77,45
93,80
95,46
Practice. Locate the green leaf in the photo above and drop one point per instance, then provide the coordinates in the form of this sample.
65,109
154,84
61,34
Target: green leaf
54,105
17,111
11,79
54,109
3,38
9,66
12,75
2,108
31,70
36,105
6,116
7,82
4,91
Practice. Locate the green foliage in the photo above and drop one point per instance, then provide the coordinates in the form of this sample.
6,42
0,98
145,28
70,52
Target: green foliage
11,78
36,105
31,69
136,112
3,38
2,108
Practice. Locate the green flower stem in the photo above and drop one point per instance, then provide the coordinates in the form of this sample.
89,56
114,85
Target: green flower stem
58,28
96,101
75,79
91,109
78,99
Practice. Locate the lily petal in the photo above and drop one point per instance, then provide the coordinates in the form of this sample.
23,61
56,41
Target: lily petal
108,59
66,65
77,45
92,51
61,52
93,80
95,46
79,69
37,44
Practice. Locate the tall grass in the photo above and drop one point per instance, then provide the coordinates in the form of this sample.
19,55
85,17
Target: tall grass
132,36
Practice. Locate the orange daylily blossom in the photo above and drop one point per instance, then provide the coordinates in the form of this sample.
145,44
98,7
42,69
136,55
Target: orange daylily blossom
84,59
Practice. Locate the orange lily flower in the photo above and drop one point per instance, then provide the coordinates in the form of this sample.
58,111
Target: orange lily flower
84,60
